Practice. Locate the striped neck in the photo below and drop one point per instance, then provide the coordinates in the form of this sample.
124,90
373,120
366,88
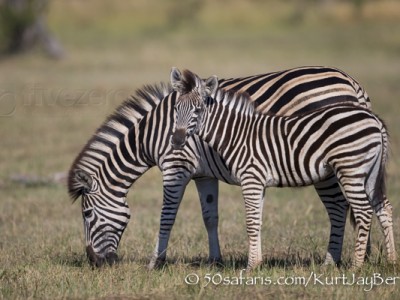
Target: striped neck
113,156
226,117
114,161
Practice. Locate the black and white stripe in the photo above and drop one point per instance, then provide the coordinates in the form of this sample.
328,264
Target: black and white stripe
299,90
136,138
263,151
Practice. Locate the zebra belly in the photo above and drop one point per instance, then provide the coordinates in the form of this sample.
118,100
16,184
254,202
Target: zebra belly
296,177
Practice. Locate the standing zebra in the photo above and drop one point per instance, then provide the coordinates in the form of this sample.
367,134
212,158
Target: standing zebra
264,151
132,140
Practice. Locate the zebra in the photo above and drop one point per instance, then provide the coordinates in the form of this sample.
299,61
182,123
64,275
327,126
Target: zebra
132,139
263,150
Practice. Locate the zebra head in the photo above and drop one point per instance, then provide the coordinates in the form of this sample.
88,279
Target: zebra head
191,103
105,217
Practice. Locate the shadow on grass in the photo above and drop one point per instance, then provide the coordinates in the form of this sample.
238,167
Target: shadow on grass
233,261
75,260
277,260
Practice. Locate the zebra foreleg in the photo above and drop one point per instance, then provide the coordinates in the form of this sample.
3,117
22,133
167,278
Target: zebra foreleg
253,199
208,193
173,193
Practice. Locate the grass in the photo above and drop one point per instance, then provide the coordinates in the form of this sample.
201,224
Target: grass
49,109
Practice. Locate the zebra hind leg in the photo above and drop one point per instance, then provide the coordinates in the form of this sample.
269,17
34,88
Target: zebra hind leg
362,211
354,190
376,189
353,224
336,206
364,187
208,193
383,211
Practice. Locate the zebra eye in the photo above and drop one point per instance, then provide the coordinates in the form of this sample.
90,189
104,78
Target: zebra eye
87,213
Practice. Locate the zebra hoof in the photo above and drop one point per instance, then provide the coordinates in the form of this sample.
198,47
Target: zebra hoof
250,269
392,259
327,267
215,262
156,264
328,264
356,267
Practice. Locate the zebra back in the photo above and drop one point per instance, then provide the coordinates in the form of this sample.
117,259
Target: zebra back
299,90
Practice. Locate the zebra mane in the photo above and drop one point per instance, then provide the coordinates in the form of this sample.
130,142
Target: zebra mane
124,118
188,81
236,100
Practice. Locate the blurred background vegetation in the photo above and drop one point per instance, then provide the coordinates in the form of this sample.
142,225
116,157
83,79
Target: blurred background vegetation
110,48
23,26
105,50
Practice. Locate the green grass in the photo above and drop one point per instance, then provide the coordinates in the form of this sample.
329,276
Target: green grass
53,107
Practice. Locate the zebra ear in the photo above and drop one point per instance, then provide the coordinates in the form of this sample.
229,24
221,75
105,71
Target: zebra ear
211,85
84,179
176,80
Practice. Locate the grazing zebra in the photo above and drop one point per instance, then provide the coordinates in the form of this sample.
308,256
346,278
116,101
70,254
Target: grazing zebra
132,140
264,151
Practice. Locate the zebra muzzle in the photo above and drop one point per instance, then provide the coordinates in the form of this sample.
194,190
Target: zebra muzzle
98,260
178,139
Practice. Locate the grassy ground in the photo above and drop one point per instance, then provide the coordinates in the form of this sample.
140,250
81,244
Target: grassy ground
49,109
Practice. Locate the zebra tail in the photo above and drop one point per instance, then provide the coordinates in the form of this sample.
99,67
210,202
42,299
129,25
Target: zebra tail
380,184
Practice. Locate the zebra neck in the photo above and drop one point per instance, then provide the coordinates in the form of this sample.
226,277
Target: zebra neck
130,153
224,128
116,160
154,133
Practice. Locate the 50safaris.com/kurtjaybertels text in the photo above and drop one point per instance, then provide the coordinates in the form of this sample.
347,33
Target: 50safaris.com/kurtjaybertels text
314,279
